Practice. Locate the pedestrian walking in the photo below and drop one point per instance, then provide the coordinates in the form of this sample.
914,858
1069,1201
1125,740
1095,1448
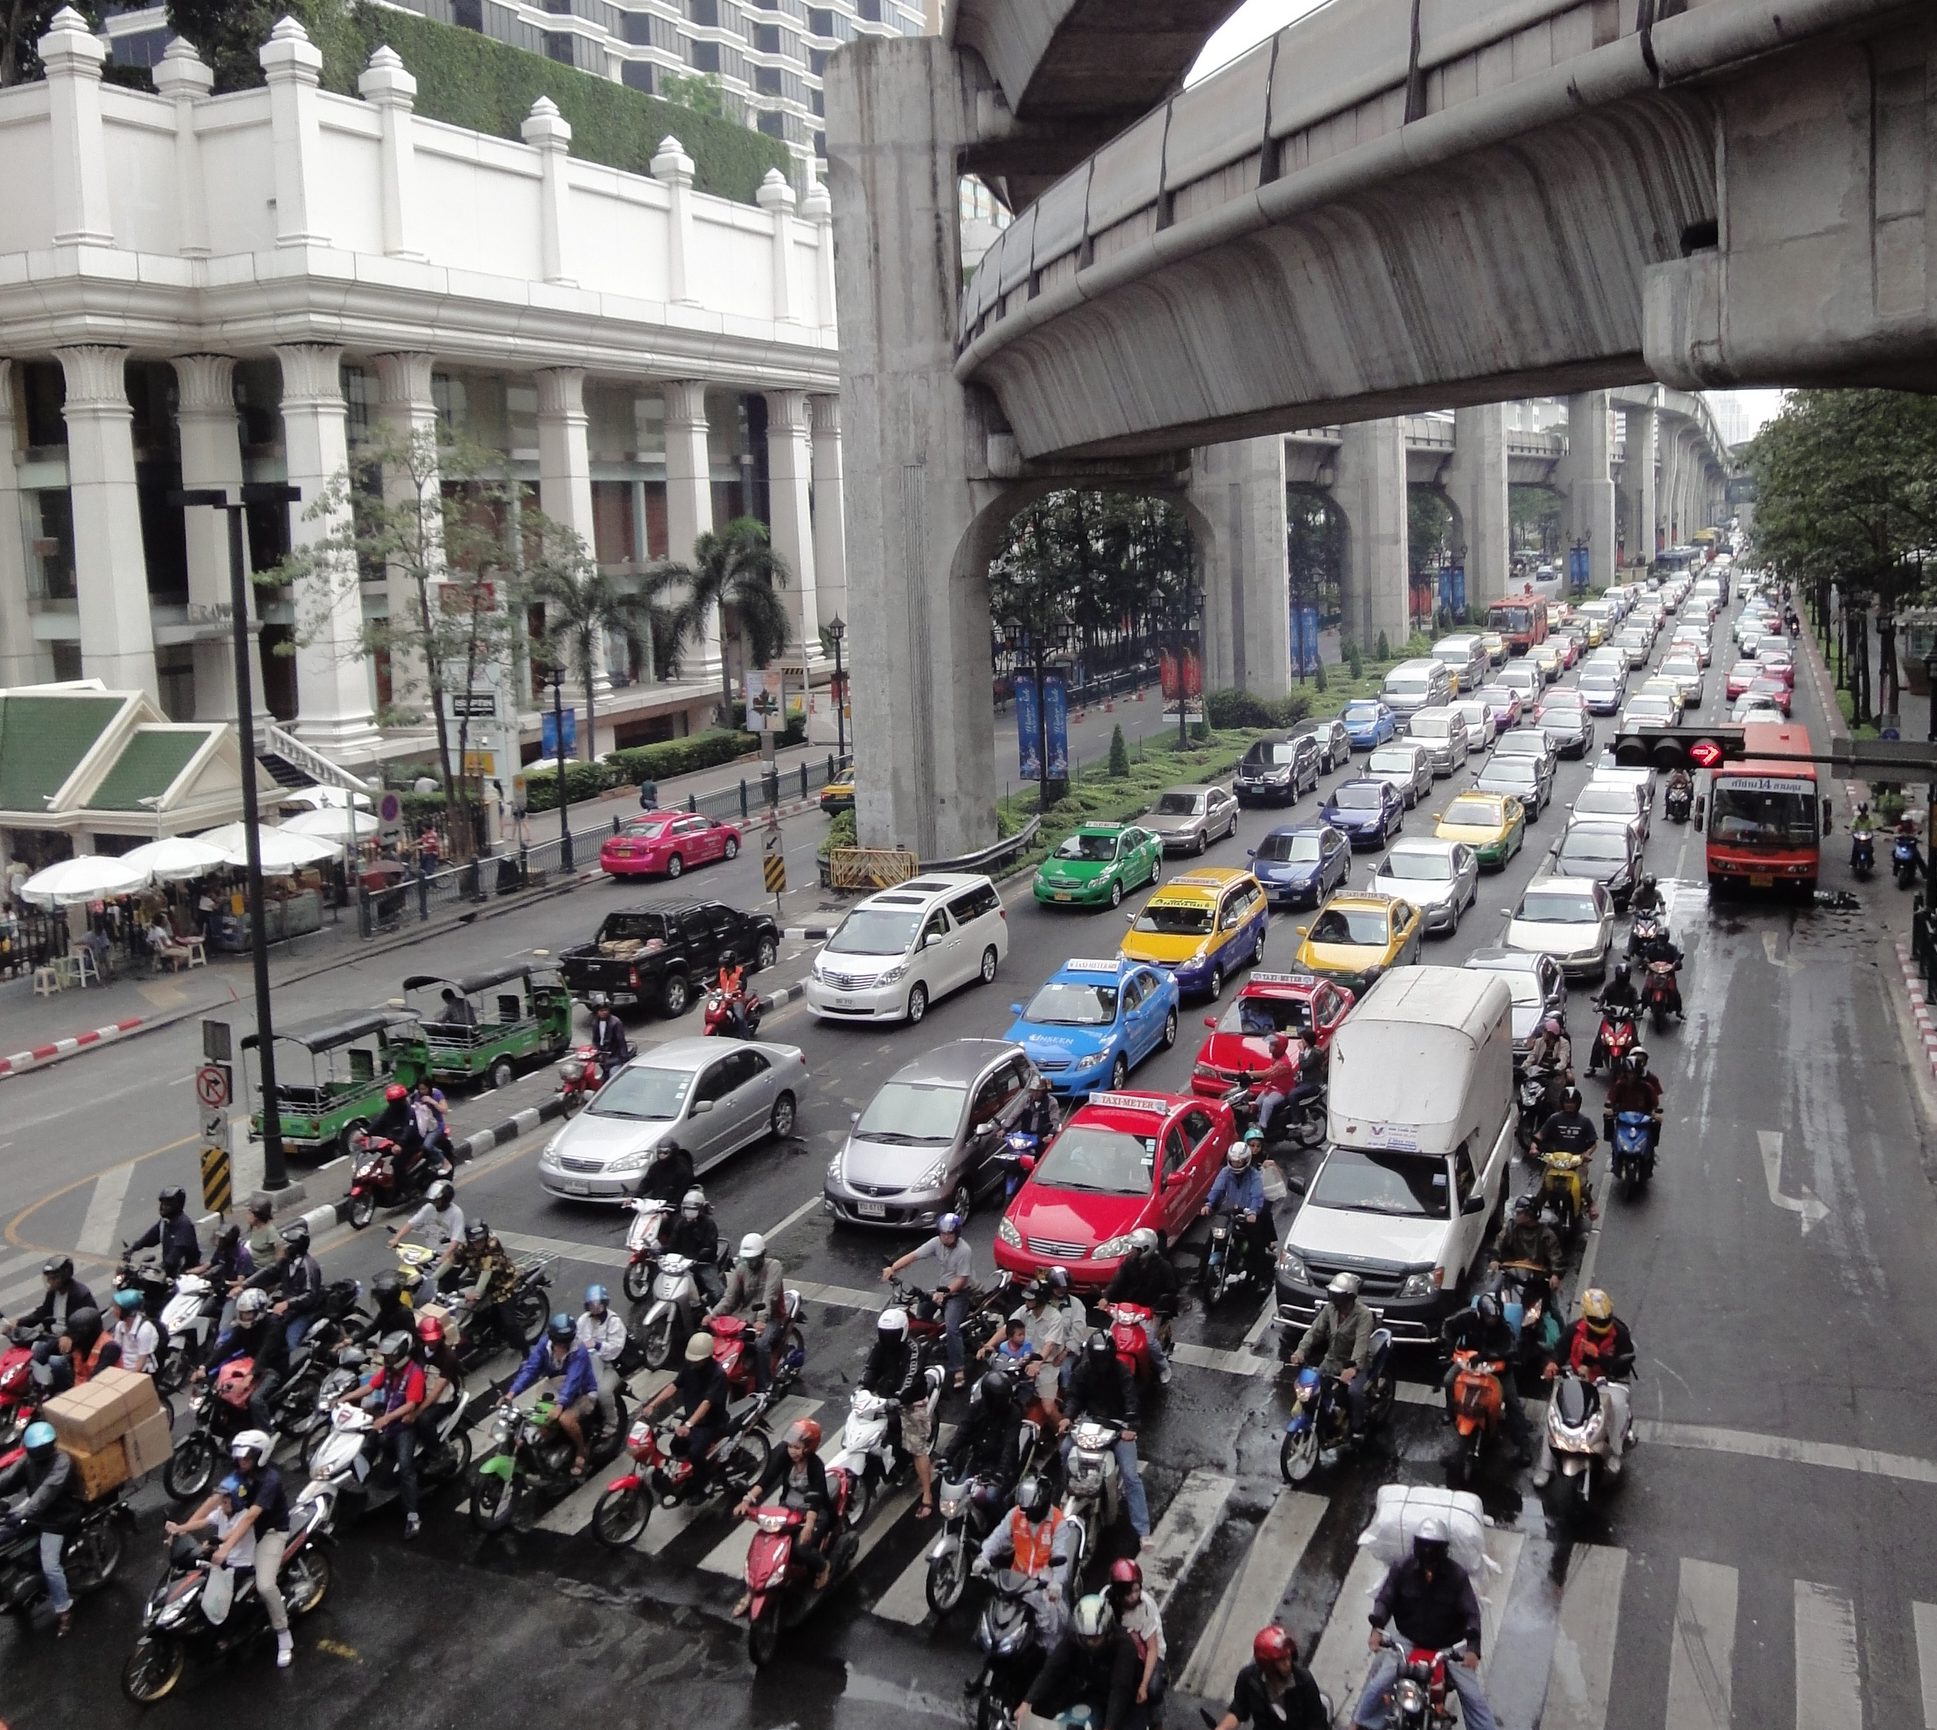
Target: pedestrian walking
648,793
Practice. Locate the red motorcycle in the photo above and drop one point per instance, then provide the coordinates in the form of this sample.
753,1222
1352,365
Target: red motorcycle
1419,1690
1128,1322
579,1077
20,1394
665,1480
1660,996
735,1340
925,1318
780,1588
385,1176
1615,1039
734,1015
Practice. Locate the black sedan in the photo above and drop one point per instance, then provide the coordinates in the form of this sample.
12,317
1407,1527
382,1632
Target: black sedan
1609,853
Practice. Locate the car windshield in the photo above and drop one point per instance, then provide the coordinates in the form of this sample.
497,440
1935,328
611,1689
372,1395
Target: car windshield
1263,753
1652,707
1596,844
1180,804
1176,919
1257,1016
1559,907
1105,1161
1399,763
1431,726
1350,925
1063,1003
916,1113
644,1093
1408,684
1509,618
1298,848
1512,772
1765,817
1605,801
1473,814
641,827
1098,849
1361,1181
876,931
1358,796
1599,682
1361,711
1418,867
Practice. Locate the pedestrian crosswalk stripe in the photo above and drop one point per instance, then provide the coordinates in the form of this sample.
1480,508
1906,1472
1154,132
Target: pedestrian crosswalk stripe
1703,1648
1925,1618
1179,1537
642,1387
1503,1549
1340,1662
26,1293
667,1523
1252,1597
729,1555
906,1601
1829,1693
14,1263
1582,1671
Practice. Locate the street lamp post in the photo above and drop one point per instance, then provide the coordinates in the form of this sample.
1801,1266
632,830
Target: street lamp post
275,1170
837,634
558,740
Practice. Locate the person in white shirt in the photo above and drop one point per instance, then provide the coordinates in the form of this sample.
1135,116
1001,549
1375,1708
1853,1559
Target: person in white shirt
440,1223
137,1338
1138,1615
603,1336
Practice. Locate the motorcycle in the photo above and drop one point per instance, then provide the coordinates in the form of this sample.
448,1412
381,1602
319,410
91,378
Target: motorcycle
722,1021
1615,1039
20,1394
1128,1333
1011,1647
1230,1254
1300,1125
1643,929
297,1412
382,1176
1680,801
187,1327
1903,860
147,1278
1092,1486
1660,994
1419,1692
579,1077
1863,853
780,1585
1634,1155
1479,1400
90,1554
351,1461
1019,1161
529,1305
735,1339
1321,1420
868,1459
1563,1193
531,1455
184,1619
218,1413
969,1509
1526,1305
661,1479
1577,1420
650,1218
677,1305
925,1320
1536,1093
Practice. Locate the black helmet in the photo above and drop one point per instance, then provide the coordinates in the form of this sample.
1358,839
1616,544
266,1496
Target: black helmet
994,1392
395,1348
173,1199
1033,1497
561,1329
1620,973
1098,1351
1528,1203
84,1327
59,1267
478,1233
228,1237
1571,1099
388,1284
1487,1307
296,1235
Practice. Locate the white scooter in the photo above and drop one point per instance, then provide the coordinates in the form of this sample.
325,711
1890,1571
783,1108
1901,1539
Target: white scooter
1092,1486
1580,1435
186,1325
868,1457
351,1460
677,1307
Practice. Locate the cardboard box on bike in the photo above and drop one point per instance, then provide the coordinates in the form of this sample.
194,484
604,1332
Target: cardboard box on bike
149,1445
98,1472
92,1418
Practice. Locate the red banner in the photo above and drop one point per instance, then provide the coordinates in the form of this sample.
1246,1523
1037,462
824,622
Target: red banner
1167,674
1193,674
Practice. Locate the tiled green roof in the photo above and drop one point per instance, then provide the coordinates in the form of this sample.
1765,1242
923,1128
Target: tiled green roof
147,767
41,741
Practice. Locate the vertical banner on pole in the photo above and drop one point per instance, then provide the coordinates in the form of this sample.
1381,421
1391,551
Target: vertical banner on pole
1029,762
1304,639
1577,569
1055,709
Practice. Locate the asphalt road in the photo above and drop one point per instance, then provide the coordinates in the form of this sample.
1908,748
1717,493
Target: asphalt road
1765,1563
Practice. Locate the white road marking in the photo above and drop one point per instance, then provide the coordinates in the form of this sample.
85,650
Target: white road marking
98,1236
14,1263
1254,1593
1504,1549
1788,1449
1703,1650
810,1205
1805,1206
1231,1363
1925,1616
1186,1527
1828,1685
1581,1673
1340,1662
596,1254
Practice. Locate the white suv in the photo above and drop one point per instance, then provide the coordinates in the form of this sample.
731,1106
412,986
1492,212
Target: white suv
903,947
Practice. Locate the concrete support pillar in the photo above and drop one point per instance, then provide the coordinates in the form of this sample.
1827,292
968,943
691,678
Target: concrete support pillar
689,499
72,57
830,530
333,684
1638,482
920,530
673,168
1476,480
293,66
790,469
1370,489
565,471
110,563
1667,484
211,440
1588,489
550,134
21,659
1239,489
185,80
408,414
776,198
392,91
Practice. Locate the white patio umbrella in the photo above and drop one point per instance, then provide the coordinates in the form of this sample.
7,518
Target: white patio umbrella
325,799
282,852
76,882
335,823
176,858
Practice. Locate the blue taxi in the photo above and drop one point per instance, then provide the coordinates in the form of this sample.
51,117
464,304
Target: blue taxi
1092,1022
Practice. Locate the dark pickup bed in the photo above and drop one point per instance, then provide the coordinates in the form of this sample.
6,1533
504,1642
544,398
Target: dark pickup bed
659,957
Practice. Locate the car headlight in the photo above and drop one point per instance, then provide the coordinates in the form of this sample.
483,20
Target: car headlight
837,1167
1205,1070
933,1176
814,971
893,973
1292,1265
1423,1284
1006,1233
551,1147
1111,1248
631,1161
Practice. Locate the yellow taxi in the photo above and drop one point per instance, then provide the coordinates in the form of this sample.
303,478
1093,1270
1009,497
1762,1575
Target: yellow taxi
1596,630
1356,937
1549,658
1495,646
838,795
1203,926
1494,825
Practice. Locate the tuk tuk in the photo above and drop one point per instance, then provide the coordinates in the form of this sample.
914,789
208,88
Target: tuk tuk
486,1026
331,1072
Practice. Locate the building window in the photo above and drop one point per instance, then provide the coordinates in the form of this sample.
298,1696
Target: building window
636,27
766,80
705,13
766,38
705,56
175,679
613,540
868,11
820,21
49,514
558,46
468,14
360,398
67,658
140,47
773,123
638,75
43,395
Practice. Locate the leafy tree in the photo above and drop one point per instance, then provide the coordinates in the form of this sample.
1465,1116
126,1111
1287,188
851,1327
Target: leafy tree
1353,659
1119,752
1383,649
1314,550
584,607
22,24
228,34
702,92
1533,519
734,569
1429,529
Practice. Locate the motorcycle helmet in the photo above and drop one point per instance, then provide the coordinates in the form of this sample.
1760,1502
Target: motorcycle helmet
1430,1543
1058,1278
1098,1352
395,1349
753,1247
1487,1307
252,1302
1033,1497
1093,1618
699,1348
172,1200
430,1329
127,1301
1277,1045
693,1203
1551,1027
993,1392
477,1234
1597,1308
561,1329
1529,1204
803,1433
1638,1061
597,1294
1239,1157
1571,1099
255,1442
1143,1240
228,1237
440,1195
1621,973
57,1268
1344,1285
388,1286
396,1093
39,1439
892,1324
948,1223
1125,1572
235,1381
296,1236
1274,1646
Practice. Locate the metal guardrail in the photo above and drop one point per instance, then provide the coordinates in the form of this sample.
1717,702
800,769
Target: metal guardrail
992,857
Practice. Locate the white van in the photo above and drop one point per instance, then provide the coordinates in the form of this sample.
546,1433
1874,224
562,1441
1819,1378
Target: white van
1421,1123
900,949
1414,685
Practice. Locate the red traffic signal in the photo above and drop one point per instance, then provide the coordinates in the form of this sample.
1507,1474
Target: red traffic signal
1666,749
1705,753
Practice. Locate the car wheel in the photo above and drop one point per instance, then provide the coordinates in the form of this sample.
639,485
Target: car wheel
1217,983
917,1004
1203,841
781,1122
1170,1030
962,1200
765,955
674,865
1116,892
1119,1073
990,961
732,849
1156,870
675,994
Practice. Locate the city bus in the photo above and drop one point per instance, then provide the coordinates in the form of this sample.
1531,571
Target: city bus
1521,619
1763,816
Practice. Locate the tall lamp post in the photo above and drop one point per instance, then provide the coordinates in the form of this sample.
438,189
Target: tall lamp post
557,675
836,629
275,1171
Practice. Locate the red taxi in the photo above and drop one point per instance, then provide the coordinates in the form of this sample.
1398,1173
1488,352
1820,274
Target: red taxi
1269,1003
667,844
1123,1160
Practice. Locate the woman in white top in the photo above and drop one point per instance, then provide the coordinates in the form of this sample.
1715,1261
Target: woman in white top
1138,1616
137,1337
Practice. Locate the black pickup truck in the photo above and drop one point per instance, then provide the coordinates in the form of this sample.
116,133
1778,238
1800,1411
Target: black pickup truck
659,957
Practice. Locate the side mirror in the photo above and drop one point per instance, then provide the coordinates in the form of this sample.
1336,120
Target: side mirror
930,939
854,1117
1210,1021
1474,1203
700,1108
1701,812
1250,852
1130,918
1015,1009
1829,822
1174,1178
1296,1182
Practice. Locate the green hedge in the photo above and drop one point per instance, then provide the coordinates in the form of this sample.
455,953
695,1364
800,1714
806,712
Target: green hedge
1248,709
582,781
466,79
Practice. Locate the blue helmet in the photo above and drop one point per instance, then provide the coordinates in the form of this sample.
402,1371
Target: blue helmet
562,1328
39,1437
127,1300
597,1294
949,1222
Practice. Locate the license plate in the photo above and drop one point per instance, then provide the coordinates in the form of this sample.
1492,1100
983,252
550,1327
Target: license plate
1761,880
841,1001
871,1210
571,1188
1062,894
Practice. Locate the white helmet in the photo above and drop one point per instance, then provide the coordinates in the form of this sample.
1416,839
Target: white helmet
252,1302
1344,1285
752,1247
892,1321
1143,1238
255,1442
1239,1156
693,1203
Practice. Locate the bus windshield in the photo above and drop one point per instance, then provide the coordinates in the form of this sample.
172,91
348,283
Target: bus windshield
1755,812
1510,618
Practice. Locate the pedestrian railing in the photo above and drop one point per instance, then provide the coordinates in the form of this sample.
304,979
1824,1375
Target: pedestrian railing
992,857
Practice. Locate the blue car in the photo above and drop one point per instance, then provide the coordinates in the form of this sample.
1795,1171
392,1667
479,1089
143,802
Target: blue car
1370,723
1092,1022
1302,863
1366,811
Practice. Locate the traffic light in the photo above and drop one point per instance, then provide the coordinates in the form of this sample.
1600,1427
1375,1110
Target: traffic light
1666,749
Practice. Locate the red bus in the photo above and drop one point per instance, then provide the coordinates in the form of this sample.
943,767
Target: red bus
1764,820
1521,619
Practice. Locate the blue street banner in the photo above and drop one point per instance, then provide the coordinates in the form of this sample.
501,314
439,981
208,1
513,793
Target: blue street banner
1055,710
1030,763
548,733
1452,589
1304,640
1577,569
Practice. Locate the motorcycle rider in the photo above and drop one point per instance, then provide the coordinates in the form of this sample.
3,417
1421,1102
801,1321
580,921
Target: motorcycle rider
297,1281
392,1312
603,1335
954,1289
1600,1347
255,1334
894,1372
1432,1602
1276,1083
397,1123
559,1357
696,1235
63,1295
487,1277
1101,1387
440,1223
1038,1539
1863,837
1681,786
1646,897
173,1233
431,1111
702,1392
136,1339
797,1473
1551,1052
1482,1328
758,1285
1527,1238
1094,1664
256,1498
1145,1277
1138,1615
1618,993
1038,1114
229,1259
732,985
1634,1089
50,1505
1568,1130
1661,947
985,1446
443,1373
1239,1187
398,1395
669,1174
609,1041
1274,1691
1342,1332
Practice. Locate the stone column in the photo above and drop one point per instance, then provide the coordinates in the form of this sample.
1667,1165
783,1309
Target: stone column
184,79
333,684
293,65
1588,490
408,414
776,198
212,457
673,168
110,563
1476,479
818,209
565,471
22,661
1370,488
830,530
1239,490
689,500
392,91
72,57
1667,482
1638,481
550,134
920,529
789,477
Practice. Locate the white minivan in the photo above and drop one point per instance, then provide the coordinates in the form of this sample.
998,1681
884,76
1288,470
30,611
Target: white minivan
901,948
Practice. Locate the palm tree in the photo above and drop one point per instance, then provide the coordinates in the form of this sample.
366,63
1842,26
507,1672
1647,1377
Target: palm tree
583,606
734,567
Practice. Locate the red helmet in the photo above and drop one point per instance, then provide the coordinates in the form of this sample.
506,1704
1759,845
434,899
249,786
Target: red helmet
235,1381
804,1431
1273,1646
396,1091
431,1331
1125,1572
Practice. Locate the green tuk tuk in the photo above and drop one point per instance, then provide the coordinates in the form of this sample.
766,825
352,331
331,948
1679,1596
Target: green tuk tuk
486,1026
331,1072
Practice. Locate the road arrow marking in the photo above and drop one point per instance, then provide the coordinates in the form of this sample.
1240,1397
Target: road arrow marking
1806,1207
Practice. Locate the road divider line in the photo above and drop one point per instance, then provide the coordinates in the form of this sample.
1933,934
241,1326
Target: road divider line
1925,1618
1252,1597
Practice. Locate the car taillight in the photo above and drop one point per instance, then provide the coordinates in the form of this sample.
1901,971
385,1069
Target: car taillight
632,976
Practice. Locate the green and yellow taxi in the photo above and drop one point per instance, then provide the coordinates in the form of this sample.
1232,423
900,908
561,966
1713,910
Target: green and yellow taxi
1550,657
1494,825
1355,937
838,795
1203,926
1098,864
1495,645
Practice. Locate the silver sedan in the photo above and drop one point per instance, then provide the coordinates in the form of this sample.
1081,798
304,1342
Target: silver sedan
1440,878
1189,819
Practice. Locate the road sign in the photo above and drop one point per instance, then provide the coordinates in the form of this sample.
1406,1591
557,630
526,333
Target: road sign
770,841
390,810
215,1179
215,1041
212,1084
774,869
215,1128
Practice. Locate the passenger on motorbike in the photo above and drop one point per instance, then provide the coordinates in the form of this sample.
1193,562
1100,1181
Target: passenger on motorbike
1600,1347
61,1295
392,1312
1139,1616
669,1174
443,1373
559,1357
173,1233
297,1282
732,986
701,1392
894,1372
1275,1084
251,1509
229,1260
1432,1602
1634,1089
1094,1664
1646,897
1661,947
1274,1691
696,1235
609,1041
50,1505
440,1224
1039,1540
797,1474
137,1340
954,1287
758,1286
1551,1052
398,1393
603,1335
1102,1388
256,1335
83,1350
1340,1337
1482,1328
1240,1189
486,1278
986,1444
1145,1277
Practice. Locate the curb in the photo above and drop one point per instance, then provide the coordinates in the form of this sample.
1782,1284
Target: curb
1920,1009
807,933
41,1054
